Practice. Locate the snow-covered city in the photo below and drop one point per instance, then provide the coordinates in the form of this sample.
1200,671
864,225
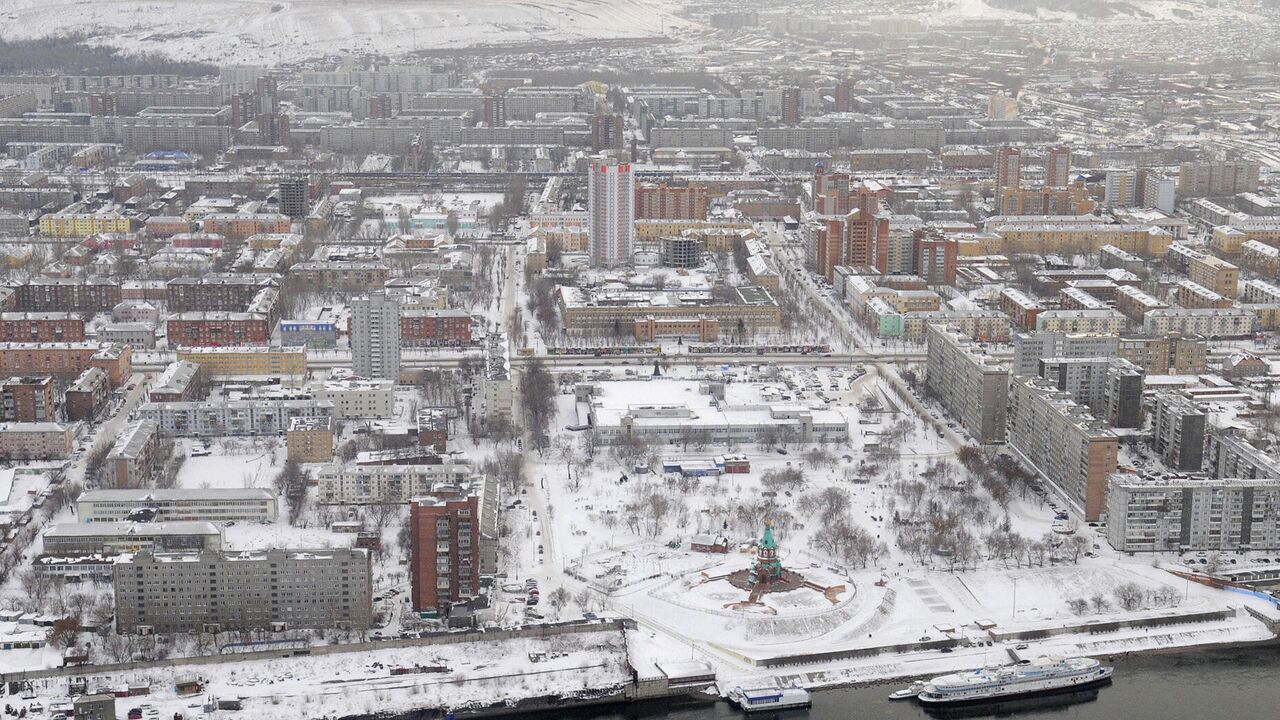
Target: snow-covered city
638,358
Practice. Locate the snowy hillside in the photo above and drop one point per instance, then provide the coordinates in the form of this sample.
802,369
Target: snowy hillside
264,31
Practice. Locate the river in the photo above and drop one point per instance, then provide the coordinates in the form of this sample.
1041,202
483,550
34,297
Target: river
1230,683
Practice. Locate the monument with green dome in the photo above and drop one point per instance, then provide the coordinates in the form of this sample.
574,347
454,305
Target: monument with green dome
767,569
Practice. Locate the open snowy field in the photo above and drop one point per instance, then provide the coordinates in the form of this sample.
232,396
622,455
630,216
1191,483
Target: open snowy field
268,31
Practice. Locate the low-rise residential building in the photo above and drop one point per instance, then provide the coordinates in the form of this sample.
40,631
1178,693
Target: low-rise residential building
29,399
365,484
971,384
135,459
213,591
433,428
216,505
355,397
1168,354
41,327
310,439
248,361
181,381
1104,322
109,538
36,440
230,417
1210,322
429,328
87,395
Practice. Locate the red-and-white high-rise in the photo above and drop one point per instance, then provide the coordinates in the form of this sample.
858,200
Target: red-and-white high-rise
611,228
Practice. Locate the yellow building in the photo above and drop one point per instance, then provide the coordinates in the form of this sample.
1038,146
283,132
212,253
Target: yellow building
658,229
1214,273
71,223
248,361
1227,241
1039,239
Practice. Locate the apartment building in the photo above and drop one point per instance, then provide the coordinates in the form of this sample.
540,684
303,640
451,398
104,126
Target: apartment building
247,361
29,399
375,336
1068,448
217,329
1094,322
41,327
310,439
1260,258
1177,513
1228,455
1208,322
1192,295
429,328
215,292
1168,354
20,441
1030,348
1135,304
135,460
66,360
1178,432
230,417
365,484
970,383
342,275
453,545
87,395
213,591
1020,307
1110,387
356,397
1214,273
216,505
67,295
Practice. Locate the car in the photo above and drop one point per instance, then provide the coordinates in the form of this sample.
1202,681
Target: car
533,614
1020,646
945,650
590,616
534,592
539,549
532,600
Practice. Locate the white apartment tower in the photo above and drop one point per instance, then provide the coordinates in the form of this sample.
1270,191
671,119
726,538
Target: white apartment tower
375,336
611,233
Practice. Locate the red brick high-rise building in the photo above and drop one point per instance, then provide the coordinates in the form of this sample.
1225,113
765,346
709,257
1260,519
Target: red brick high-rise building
1057,167
444,564
1008,168
844,95
791,106
851,230
935,257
